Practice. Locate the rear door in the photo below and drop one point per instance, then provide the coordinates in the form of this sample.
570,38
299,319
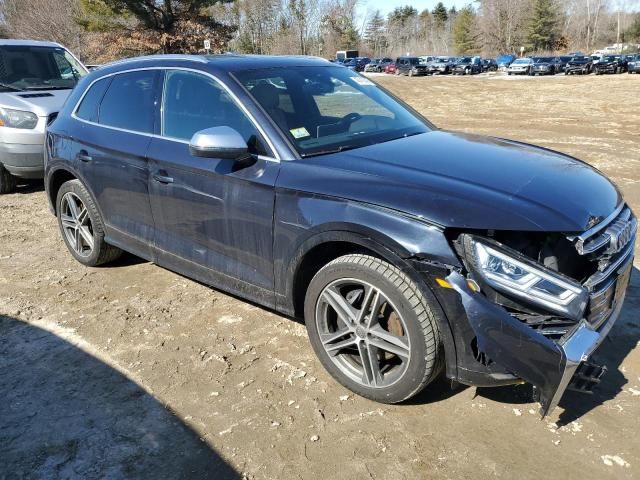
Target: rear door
213,216
117,116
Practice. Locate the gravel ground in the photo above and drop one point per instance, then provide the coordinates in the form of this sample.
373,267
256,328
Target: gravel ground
131,371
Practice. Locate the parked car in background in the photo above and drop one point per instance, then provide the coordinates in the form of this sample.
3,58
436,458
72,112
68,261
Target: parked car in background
377,65
391,68
580,64
564,59
357,64
610,64
35,80
426,59
409,251
596,58
546,65
633,63
521,66
504,61
467,66
441,66
411,66
489,65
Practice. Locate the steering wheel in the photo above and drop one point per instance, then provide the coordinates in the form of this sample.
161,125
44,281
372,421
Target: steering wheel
349,118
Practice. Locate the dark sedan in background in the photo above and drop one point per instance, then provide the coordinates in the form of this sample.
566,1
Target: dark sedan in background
467,66
546,65
304,187
411,66
610,64
580,64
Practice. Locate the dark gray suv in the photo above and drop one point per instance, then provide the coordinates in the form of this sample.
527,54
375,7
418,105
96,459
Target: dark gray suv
307,188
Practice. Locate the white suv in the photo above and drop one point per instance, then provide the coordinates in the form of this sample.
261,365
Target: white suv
35,80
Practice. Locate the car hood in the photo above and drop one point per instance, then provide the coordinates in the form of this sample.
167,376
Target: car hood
40,102
464,181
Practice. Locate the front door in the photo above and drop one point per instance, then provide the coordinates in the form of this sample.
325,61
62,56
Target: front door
213,217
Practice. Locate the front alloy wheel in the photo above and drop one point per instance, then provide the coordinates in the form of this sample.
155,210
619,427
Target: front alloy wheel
362,333
372,328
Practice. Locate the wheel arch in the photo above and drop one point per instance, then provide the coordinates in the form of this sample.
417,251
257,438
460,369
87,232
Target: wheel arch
326,246
55,180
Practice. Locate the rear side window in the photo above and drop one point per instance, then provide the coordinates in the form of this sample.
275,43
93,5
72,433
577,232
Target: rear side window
129,102
88,109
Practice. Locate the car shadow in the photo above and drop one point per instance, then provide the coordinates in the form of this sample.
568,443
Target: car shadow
66,414
622,339
29,186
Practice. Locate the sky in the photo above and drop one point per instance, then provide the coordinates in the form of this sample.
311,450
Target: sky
386,6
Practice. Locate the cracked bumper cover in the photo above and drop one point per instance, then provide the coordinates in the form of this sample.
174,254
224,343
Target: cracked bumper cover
546,364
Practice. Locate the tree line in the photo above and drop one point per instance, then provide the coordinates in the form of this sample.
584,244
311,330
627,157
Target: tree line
101,30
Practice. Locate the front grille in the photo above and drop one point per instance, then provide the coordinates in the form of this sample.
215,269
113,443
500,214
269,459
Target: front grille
610,244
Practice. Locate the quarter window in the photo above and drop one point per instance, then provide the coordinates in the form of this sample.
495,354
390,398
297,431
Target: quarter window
194,102
129,102
88,109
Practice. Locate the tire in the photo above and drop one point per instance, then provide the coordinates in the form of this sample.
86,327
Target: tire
411,73
79,224
7,181
403,309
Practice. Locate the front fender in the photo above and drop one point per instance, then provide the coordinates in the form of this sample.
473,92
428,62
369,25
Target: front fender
304,222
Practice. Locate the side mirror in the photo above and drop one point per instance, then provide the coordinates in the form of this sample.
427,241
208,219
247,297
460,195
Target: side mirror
219,142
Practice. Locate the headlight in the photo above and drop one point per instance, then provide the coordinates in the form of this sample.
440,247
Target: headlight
17,119
522,279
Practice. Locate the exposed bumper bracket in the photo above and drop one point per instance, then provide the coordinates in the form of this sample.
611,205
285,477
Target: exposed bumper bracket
548,365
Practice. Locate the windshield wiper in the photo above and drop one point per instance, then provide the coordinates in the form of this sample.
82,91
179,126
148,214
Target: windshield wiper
45,87
329,151
10,87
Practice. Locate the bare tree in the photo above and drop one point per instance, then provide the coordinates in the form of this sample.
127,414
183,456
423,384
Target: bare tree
52,20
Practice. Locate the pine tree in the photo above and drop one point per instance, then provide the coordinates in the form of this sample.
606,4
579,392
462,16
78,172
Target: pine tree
542,32
463,30
440,14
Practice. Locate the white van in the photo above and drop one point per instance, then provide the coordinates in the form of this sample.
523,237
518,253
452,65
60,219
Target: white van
35,80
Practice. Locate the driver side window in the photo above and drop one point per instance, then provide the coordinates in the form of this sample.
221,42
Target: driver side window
192,102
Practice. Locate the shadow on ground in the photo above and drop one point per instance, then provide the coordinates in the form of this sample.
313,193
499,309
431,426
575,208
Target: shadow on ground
622,339
65,414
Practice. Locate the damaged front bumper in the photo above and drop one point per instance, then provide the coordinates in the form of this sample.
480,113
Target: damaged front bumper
549,365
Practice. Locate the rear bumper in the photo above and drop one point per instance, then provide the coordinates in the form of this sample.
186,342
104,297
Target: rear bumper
24,161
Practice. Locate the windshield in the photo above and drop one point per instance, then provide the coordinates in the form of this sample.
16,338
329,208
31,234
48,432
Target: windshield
542,60
329,109
610,58
521,61
36,68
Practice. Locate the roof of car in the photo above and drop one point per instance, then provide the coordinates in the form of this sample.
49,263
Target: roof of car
27,43
229,62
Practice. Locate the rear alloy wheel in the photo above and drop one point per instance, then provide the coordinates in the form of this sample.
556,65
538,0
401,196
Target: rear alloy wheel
372,328
81,226
7,181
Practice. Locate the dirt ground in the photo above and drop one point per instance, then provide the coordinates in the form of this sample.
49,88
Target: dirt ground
132,371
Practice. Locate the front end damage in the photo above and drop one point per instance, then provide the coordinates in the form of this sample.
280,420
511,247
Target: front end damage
539,305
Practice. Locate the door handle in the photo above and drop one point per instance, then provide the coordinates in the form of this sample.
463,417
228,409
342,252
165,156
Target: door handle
162,179
83,156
